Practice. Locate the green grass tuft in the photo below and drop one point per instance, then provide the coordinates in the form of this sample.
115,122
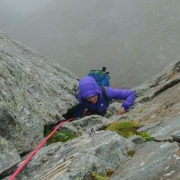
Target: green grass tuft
58,136
146,136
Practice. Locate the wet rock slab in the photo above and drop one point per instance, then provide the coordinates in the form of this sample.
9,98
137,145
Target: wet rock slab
153,161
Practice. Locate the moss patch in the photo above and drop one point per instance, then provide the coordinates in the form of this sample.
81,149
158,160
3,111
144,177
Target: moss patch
131,153
97,177
128,128
58,136
125,128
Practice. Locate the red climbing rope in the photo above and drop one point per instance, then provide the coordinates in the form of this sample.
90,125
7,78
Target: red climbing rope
37,148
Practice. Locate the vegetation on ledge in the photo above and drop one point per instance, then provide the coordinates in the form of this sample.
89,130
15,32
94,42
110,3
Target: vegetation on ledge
58,136
127,129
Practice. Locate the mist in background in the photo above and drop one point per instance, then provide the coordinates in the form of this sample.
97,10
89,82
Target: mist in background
134,39
24,7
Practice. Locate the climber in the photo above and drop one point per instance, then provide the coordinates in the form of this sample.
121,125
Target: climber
97,99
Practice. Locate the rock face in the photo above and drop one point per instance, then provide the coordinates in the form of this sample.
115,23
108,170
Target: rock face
104,150
8,155
35,91
152,161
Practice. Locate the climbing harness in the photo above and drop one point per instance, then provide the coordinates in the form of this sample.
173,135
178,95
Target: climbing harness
37,148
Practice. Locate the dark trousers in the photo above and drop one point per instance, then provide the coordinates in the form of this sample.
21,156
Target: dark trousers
70,112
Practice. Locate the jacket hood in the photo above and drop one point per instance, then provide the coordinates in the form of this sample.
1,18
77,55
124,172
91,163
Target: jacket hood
88,88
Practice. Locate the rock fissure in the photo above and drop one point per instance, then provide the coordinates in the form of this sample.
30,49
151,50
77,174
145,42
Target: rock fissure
171,84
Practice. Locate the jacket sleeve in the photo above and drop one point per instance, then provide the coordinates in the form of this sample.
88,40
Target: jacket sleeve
122,94
79,110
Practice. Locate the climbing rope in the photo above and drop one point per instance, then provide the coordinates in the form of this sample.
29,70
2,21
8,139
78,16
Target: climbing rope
37,148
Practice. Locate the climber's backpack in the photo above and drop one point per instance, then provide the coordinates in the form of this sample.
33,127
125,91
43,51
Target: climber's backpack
102,79
100,76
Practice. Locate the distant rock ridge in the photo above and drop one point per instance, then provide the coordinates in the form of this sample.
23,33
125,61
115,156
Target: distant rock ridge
35,91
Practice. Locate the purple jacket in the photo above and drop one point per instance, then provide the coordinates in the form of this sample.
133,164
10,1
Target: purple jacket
88,87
